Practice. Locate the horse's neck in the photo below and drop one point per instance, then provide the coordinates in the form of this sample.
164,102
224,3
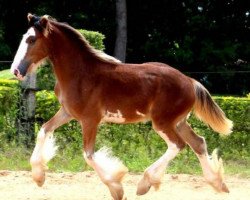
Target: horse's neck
72,68
71,62
65,61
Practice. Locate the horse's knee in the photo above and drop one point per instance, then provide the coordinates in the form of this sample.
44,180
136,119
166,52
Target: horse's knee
196,142
200,146
170,134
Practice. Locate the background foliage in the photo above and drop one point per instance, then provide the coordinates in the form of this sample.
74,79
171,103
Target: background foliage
9,93
193,36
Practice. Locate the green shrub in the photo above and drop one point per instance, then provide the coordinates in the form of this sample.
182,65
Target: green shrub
46,105
238,143
9,92
9,83
94,38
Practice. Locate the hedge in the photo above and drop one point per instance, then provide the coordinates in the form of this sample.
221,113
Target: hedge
94,38
133,143
124,139
9,83
236,108
8,93
8,108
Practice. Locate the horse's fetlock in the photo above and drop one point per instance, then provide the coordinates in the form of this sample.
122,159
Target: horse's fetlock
35,161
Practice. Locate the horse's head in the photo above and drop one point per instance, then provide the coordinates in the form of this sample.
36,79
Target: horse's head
32,48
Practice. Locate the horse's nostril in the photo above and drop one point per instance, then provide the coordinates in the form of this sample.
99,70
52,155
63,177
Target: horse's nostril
16,72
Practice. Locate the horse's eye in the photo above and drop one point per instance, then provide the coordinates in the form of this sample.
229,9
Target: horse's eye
32,41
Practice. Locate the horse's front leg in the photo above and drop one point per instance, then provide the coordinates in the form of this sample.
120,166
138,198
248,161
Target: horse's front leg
109,169
45,149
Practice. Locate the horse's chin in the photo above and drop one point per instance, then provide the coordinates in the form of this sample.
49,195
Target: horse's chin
31,69
20,77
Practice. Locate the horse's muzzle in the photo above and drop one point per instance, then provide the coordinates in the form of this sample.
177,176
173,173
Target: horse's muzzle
21,70
18,75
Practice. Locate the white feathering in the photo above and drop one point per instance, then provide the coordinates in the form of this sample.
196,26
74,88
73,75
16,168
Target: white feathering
49,148
110,164
216,164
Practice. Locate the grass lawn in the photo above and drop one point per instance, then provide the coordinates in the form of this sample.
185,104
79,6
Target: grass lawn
17,158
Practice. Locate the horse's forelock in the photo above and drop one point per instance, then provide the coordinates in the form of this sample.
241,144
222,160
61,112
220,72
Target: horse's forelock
35,22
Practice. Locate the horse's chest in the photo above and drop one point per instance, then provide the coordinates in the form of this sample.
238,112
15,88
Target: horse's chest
59,94
74,100
69,99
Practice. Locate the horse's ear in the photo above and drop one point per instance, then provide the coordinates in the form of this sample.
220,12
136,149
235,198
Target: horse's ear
44,22
40,23
29,16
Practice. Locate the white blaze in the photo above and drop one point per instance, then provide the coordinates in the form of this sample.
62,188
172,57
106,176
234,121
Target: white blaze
22,49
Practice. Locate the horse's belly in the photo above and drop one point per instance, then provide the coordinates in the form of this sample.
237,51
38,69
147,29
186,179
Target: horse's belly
124,117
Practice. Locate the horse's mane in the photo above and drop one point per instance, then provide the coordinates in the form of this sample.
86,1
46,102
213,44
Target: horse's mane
81,41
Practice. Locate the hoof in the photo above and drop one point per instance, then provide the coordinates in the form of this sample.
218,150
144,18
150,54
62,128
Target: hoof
40,182
116,191
222,187
143,186
38,176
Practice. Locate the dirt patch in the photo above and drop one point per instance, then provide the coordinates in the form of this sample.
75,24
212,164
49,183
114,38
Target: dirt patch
87,186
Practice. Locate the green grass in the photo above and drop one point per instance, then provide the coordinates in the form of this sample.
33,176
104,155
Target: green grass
239,168
5,74
17,158
14,158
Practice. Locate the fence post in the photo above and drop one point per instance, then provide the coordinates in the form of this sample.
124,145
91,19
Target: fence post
26,125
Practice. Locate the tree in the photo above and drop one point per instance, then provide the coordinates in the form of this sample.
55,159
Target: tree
121,30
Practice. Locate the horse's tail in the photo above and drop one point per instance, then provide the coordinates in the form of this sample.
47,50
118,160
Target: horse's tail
209,112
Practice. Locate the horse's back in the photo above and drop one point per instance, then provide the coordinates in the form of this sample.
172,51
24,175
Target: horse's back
175,97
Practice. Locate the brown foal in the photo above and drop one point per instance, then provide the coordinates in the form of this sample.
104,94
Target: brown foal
93,87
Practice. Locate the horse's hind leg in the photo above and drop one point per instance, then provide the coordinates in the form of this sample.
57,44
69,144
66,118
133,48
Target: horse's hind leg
45,149
109,169
153,174
211,166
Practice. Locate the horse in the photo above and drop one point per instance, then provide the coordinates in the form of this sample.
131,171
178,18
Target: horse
93,87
